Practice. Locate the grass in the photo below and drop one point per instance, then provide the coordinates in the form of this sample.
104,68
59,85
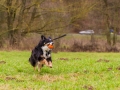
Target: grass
71,71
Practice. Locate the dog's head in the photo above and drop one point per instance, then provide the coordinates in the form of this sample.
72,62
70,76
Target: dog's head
47,43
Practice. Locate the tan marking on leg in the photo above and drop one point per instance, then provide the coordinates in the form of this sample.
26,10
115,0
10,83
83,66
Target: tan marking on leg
39,66
45,62
34,68
50,64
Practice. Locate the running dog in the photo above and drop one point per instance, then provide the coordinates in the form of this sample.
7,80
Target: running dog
41,54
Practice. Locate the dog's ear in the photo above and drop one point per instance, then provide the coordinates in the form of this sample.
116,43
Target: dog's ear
43,37
49,38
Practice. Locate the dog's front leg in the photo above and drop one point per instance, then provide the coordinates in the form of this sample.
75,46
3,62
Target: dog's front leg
49,62
45,62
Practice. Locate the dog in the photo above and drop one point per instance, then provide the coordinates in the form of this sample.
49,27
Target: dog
41,54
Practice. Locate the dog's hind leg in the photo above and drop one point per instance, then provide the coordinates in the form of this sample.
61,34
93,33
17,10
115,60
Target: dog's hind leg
35,68
40,65
49,62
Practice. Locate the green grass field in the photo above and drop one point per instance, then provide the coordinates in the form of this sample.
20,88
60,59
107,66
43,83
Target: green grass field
71,71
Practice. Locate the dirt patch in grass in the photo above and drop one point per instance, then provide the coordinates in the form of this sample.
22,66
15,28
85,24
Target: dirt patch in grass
88,87
86,71
63,59
10,78
118,68
2,62
110,68
5,87
13,78
49,78
68,59
55,78
74,74
103,60
76,58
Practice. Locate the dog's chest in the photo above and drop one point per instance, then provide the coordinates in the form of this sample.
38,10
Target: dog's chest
46,54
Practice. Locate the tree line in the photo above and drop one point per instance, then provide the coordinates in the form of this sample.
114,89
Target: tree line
21,17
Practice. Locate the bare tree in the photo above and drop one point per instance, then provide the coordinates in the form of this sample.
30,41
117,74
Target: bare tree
30,16
41,16
112,14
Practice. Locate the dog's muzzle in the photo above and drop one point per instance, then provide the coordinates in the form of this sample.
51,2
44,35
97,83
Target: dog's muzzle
50,45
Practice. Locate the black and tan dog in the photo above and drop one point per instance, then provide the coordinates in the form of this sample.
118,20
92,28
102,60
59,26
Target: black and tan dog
41,54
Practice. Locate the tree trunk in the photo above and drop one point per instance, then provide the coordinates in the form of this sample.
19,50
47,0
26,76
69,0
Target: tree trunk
14,33
10,14
107,22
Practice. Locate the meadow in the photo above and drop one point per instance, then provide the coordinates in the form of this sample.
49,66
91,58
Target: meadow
71,71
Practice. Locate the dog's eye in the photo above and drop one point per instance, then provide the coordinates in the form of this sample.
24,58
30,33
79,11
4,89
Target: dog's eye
52,43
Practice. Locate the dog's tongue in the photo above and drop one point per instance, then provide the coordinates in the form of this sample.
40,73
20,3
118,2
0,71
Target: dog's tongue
51,46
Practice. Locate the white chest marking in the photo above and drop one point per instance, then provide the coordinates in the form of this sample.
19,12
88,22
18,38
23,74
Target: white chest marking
45,52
